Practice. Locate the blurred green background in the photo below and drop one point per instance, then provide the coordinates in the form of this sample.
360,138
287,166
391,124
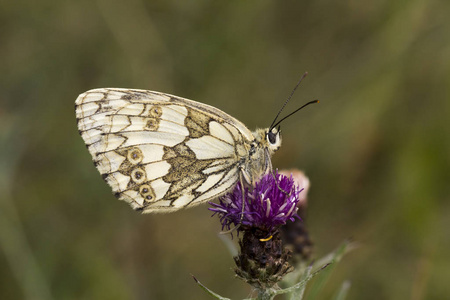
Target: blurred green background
377,148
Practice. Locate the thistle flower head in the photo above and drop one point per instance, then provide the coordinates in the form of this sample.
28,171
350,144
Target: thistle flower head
270,204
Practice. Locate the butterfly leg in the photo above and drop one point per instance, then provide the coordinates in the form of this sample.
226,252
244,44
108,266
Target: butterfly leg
270,169
241,180
278,186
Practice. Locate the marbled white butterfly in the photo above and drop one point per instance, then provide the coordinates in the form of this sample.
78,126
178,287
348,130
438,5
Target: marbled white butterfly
161,153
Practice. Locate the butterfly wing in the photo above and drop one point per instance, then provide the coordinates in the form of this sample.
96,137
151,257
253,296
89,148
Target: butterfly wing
160,152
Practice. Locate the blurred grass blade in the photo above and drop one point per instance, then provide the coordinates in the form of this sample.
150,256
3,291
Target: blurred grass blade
298,294
302,283
333,258
229,244
13,240
337,254
343,291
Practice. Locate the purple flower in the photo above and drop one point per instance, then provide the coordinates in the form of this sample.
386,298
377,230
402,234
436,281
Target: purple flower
268,205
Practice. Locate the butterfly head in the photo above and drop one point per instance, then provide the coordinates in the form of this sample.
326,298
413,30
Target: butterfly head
272,139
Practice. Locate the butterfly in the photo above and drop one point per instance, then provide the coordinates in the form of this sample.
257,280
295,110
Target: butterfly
161,153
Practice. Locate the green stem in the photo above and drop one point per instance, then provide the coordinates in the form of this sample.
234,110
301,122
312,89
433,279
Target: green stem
266,294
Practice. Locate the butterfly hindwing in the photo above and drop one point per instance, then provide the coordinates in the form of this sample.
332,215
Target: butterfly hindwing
160,152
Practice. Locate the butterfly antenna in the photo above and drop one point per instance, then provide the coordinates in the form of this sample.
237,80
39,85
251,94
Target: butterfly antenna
310,102
287,100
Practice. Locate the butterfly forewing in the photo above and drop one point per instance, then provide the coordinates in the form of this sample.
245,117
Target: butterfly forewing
161,152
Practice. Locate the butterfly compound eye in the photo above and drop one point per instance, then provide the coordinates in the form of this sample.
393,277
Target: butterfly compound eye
272,137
